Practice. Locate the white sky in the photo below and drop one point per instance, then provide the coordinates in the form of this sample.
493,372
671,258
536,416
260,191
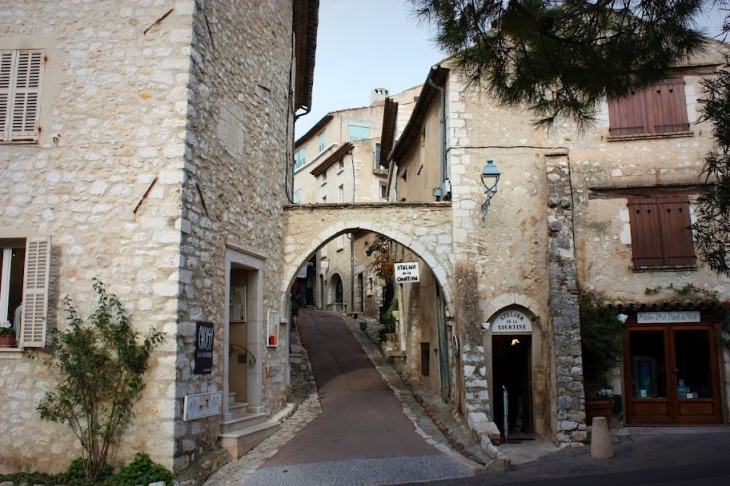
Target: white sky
366,44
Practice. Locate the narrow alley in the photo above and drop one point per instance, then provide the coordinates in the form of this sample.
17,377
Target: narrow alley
362,436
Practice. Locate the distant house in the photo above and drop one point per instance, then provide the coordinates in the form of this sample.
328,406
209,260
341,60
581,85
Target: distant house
341,160
140,145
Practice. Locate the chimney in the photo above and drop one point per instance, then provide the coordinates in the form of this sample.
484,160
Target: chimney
378,95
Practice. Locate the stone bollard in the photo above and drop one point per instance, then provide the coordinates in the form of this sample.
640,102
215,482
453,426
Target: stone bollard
601,447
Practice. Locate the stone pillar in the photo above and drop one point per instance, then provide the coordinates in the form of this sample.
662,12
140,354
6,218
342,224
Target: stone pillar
564,317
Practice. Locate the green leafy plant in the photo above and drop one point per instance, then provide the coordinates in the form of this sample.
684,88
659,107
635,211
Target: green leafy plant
76,473
101,367
388,320
602,336
143,471
7,331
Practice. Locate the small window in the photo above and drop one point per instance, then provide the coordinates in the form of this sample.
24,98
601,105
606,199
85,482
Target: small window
341,191
657,110
378,162
358,132
300,159
323,251
340,165
21,74
340,242
320,142
24,275
323,178
324,199
298,196
383,191
660,232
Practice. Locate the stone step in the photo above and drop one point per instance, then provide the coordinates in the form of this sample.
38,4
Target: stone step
240,423
237,410
241,441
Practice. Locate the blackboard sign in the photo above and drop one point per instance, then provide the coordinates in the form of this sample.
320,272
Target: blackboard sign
203,348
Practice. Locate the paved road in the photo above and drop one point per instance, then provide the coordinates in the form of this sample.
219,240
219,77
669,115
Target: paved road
656,456
362,436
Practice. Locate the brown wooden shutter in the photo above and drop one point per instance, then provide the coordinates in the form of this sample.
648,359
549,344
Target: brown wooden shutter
675,222
35,292
646,245
628,116
6,70
26,97
667,107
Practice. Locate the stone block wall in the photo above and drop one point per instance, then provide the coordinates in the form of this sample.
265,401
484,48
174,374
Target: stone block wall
113,127
234,185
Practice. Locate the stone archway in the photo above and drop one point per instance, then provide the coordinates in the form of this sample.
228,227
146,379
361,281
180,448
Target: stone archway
424,228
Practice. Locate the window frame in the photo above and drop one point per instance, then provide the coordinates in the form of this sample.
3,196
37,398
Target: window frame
661,237
20,120
36,275
660,110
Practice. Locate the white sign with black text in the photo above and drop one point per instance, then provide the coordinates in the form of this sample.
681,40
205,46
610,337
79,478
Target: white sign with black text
511,322
667,317
406,272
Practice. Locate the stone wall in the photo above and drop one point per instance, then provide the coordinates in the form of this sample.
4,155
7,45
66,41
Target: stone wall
564,315
233,187
113,115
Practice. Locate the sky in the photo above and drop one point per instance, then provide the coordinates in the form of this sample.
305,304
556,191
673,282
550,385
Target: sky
362,45
367,44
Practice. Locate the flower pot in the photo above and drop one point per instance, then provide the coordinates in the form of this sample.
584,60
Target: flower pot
598,408
8,341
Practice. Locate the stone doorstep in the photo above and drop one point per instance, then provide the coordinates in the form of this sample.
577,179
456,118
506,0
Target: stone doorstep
236,410
241,441
242,423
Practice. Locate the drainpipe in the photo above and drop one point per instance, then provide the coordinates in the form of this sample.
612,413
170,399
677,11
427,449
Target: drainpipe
442,193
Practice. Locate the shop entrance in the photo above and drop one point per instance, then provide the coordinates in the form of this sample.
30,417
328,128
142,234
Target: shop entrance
671,375
511,370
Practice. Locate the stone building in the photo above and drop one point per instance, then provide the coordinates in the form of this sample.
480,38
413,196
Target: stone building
608,208
338,161
147,143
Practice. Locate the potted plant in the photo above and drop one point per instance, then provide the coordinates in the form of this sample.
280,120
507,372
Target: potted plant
602,334
7,335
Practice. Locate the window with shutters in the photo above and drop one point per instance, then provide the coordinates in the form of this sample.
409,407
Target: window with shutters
21,73
660,232
661,109
24,273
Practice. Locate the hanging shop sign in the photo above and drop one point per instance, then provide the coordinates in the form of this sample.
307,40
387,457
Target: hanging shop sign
203,348
406,272
667,317
511,322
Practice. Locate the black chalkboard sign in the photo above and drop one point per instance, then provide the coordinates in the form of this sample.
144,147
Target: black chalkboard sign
203,348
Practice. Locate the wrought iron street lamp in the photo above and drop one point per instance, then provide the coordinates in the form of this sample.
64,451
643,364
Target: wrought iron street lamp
490,179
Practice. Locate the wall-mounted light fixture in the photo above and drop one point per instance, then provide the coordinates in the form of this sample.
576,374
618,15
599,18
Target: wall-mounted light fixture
490,179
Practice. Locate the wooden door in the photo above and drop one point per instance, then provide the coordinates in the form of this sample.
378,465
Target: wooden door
671,375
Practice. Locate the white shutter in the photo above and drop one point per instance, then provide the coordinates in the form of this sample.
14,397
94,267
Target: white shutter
26,96
6,71
35,292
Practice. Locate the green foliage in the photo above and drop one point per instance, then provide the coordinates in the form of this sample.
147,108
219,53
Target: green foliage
563,57
602,336
101,367
76,473
712,209
143,471
294,308
7,331
388,320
